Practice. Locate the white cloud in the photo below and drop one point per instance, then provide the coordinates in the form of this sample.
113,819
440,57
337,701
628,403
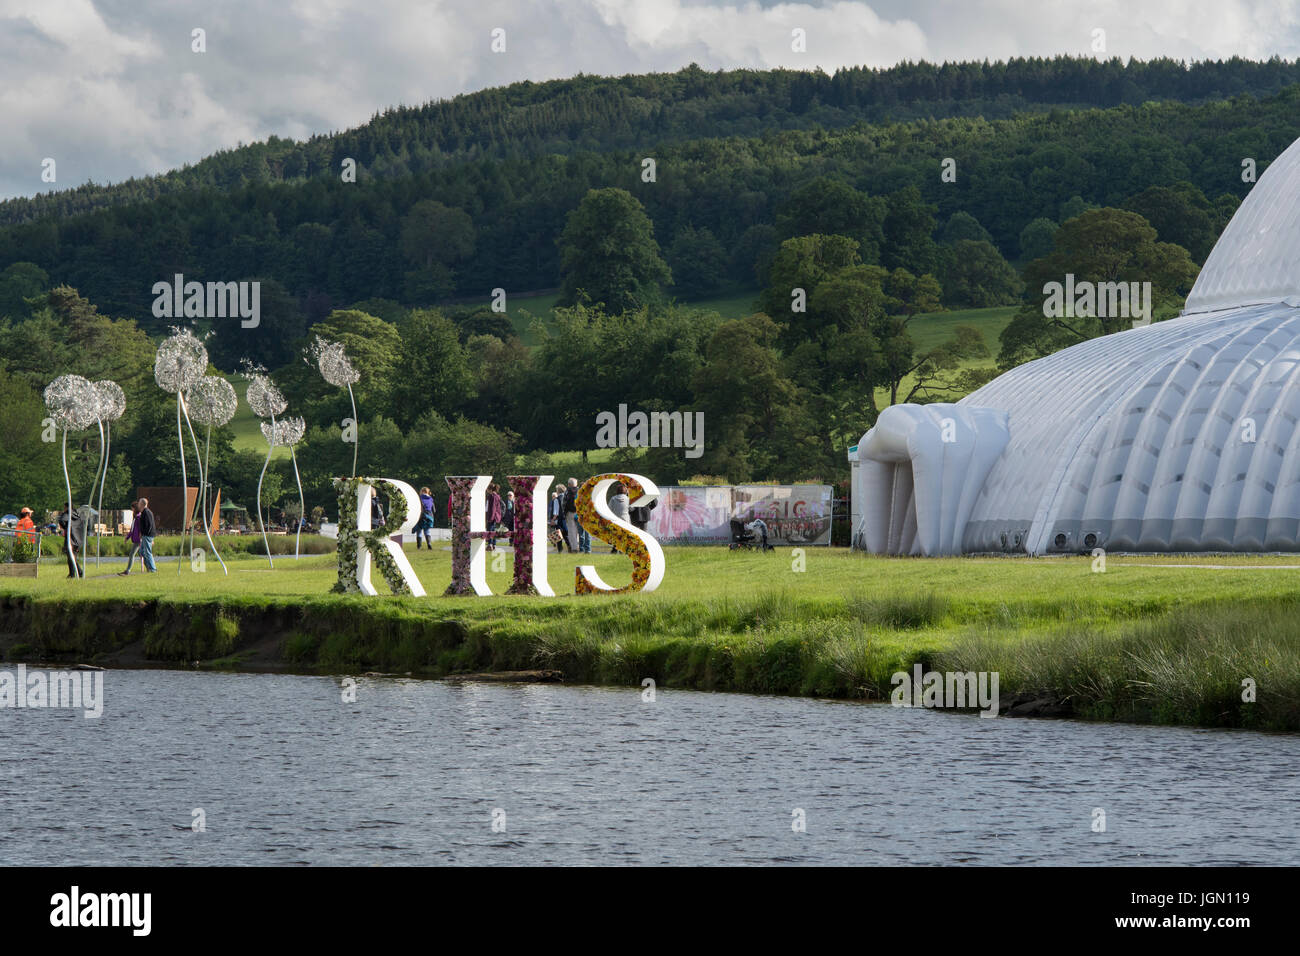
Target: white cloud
111,89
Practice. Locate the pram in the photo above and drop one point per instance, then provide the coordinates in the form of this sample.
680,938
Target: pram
743,539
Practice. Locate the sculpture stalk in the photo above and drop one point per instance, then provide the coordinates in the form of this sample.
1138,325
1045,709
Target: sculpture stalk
356,430
262,524
67,481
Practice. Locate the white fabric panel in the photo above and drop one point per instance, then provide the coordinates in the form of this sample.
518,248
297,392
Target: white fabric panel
940,454
1257,259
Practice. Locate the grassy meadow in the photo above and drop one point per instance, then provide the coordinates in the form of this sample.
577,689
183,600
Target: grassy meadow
1167,639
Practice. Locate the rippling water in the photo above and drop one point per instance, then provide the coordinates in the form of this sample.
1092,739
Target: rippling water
286,773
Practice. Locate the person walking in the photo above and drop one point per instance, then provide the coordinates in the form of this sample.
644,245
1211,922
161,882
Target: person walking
508,519
495,512
74,535
148,531
570,513
640,515
425,524
133,536
618,504
555,517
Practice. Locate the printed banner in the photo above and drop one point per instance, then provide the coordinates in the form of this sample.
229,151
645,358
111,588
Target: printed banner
796,515
687,515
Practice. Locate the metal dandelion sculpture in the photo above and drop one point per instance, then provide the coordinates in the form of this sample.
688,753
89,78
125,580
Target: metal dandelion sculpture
337,369
111,403
266,401
180,362
73,403
288,432
211,402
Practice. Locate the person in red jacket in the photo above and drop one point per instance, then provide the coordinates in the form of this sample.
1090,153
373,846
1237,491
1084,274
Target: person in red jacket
25,524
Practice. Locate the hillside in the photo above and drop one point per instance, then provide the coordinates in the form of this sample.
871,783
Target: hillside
594,114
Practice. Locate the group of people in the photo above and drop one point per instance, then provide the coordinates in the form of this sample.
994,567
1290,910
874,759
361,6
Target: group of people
562,516
73,530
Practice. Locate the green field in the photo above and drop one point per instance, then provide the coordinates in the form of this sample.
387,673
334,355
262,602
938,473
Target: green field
1166,639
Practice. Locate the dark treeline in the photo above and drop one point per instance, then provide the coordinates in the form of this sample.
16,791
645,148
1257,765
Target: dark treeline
591,114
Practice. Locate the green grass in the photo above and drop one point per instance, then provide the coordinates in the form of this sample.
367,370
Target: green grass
1147,643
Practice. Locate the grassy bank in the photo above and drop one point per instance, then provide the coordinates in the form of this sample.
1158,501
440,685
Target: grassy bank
1148,640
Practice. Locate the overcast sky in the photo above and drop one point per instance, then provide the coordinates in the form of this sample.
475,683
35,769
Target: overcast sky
111,88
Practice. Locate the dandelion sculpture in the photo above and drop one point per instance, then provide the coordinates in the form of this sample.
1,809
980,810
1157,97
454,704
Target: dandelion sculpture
110,406
73,402
212,402
266,401
180,362
288,432
337,369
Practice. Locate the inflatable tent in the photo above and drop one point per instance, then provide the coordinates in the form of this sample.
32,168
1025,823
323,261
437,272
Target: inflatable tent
1182,435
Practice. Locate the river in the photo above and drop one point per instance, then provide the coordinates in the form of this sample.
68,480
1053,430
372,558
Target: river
416,772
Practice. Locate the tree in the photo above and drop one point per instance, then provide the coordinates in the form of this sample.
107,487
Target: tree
745,397
609,254
975,276
828,206
1099,246
273,342
909,230
802,264
1037,238
436,234
30,470
434,237
19,282
963,225
431,368
1179,214
698,262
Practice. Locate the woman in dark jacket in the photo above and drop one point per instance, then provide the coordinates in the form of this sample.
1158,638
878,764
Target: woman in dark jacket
495,512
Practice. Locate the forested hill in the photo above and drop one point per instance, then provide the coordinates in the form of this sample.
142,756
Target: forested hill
597,114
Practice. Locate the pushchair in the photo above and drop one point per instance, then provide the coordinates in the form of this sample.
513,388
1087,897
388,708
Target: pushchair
745,540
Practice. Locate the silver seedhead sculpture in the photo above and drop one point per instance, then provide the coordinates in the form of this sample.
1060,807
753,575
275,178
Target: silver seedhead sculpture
212,402
337,369
266,401
181,361
288,432
111,405
73,403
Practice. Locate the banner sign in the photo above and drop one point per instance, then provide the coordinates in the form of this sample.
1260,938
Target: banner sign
796,515
687,515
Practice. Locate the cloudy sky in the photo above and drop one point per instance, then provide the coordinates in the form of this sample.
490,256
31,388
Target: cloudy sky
112,88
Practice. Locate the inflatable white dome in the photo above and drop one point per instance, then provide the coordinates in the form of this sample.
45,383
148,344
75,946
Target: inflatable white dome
1182,435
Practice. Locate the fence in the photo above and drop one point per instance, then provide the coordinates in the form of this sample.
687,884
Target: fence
19,552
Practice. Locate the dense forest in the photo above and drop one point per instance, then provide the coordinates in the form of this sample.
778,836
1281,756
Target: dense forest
845,205
335,243
595,114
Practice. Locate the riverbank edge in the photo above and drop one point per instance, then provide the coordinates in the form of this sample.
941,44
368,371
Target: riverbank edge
361,637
